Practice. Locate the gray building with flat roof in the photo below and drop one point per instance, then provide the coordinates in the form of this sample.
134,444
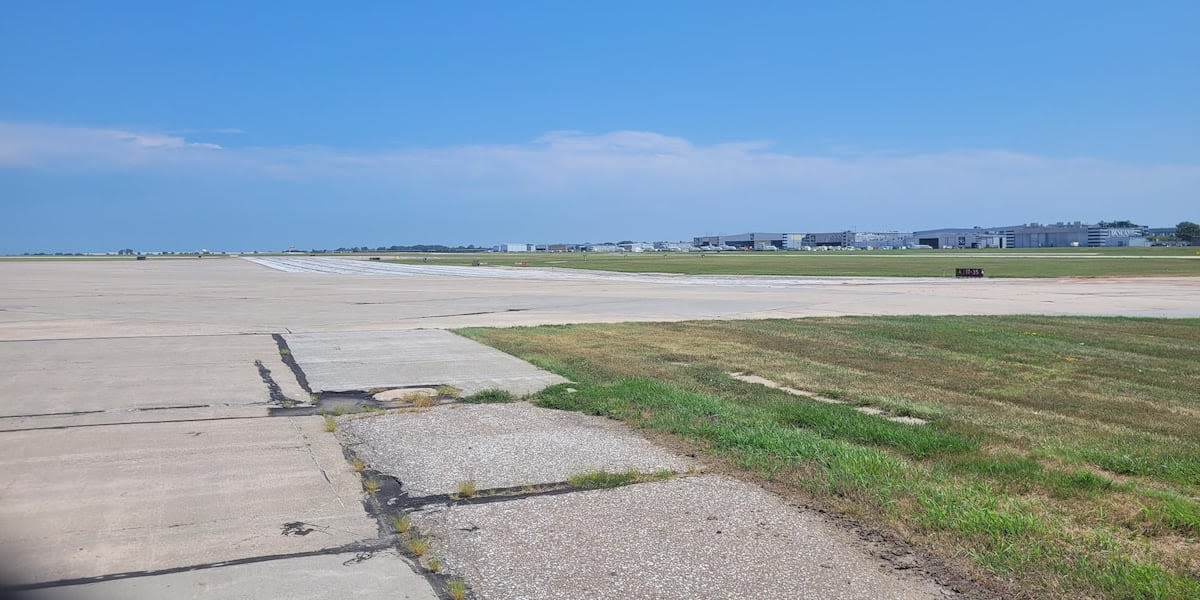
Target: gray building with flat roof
962,237
1066,235
742,240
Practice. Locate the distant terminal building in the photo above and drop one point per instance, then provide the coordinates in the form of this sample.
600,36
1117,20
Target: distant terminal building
1032,235
742,241
513,248
636,247
1066,235
974,237
859,239
797,241
836,239
674,246
882,239
1160,231
603,248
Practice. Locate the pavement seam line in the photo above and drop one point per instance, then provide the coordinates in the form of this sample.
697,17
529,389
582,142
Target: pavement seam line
371,546
53,427
316,463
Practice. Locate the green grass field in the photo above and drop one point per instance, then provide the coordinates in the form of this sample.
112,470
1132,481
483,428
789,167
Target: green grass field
1065,262
1061,457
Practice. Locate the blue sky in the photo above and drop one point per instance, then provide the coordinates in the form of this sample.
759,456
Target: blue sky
241,126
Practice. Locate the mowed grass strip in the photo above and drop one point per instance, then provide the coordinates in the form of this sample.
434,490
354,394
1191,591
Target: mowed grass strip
1063,262
1062,456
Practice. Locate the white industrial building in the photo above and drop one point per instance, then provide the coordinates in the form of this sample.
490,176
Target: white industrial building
513,248
674,247
603,248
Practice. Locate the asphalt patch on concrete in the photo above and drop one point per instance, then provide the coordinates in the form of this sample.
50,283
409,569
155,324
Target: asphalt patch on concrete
285,354
274,392
688,537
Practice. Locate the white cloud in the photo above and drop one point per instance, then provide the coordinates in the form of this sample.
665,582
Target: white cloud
661,176
52,147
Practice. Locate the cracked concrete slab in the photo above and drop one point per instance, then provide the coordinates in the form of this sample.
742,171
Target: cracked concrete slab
498,445
689,537
383,574
411,358
149,454
91,501
130,374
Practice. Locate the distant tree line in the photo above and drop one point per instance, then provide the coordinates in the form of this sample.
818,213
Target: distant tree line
1188,232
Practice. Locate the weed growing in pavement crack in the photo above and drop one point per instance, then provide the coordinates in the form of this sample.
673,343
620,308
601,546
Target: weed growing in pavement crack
401,523
591,480
417,545
467,488
371,486
457,588
423,400
358,465
449,391
491,396
330,424
435,564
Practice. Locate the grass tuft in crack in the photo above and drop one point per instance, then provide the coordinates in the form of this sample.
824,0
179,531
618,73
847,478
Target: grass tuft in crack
401,523
417,545
371,486
330,424
456,588
492,396
422,400
591,480
466,488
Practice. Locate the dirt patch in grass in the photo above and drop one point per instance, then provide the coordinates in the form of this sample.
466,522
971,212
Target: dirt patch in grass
1062,455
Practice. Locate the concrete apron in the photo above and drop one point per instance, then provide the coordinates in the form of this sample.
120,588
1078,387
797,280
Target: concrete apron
151,467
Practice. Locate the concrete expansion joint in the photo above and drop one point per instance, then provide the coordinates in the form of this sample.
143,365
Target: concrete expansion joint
125,423
367,547
313,457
